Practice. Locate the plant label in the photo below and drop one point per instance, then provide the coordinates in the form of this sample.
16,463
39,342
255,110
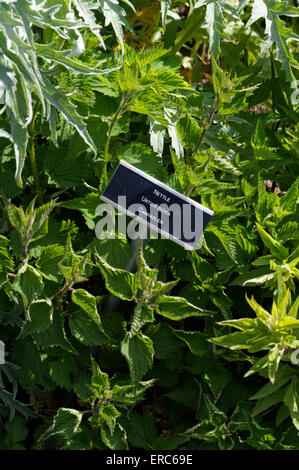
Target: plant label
155,204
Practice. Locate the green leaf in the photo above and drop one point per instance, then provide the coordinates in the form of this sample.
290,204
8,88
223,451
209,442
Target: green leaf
16,429
186,394
143,157
291,400
116,16
109,414
88,303
59,372
139,353
116,440
253,278
164,339
55,334
165,4
114,251
258,365
215,22
118,281
67,167
195,340
47,263
47,52
28,283
267,402
68,110
40,317
278,250
85,8
274,357
87,205
141,430
65,424
217,378
85,324
85,329
100,380
234,341
73,266
81,384
189,131
6,260
289,201
276,30
20,141
178,308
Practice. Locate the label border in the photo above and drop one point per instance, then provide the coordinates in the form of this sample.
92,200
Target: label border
167,235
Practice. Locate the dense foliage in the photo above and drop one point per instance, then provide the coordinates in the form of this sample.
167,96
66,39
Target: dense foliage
192,350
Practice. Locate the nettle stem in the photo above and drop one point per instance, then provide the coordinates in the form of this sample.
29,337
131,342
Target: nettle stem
137,322
121,110
206,126
32,156
207,123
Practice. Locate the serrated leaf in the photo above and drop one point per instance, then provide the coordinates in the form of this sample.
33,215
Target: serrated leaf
115,251
116,440
60,373
253,278
289,201
87,205
141,430
116,16
217,378
48,260
138,350
88,303
118,281
28,283
81,384
274,356
85,329
55,335
284,375
164,340
276,248
99,381
189,131
85,324
48,52
195,340
109,414
178,308
6,260
85,8
215,22
144,158
68,110
276,30
40,317
65,424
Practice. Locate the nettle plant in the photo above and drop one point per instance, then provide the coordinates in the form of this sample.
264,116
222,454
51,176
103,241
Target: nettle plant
100,354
